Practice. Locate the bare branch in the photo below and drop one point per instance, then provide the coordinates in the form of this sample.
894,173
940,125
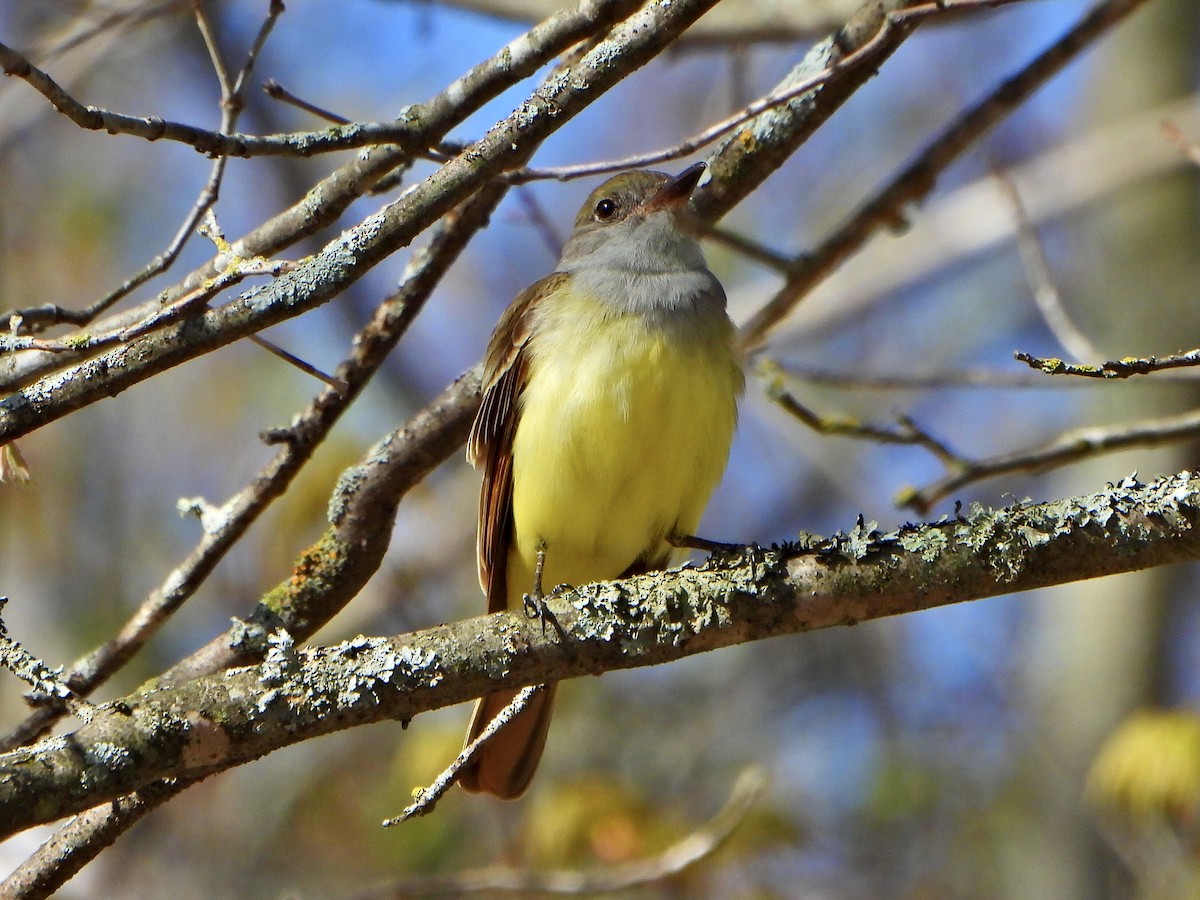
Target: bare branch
906,432
886,209
1037,270
46,682
371,347
352,136
997,379
1072,446
330,197
1065,449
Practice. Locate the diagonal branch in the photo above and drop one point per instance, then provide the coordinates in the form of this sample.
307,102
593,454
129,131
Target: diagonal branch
1066,448
1037,271
803,81
331,196
886,209
297,444
341,263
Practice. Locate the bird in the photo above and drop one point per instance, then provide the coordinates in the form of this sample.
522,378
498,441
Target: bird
609,404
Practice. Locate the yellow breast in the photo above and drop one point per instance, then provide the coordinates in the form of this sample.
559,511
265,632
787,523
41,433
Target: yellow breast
625,425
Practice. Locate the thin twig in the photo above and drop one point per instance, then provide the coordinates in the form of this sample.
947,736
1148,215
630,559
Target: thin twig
292,360
542,224
913,183
906,431
427,798
277,91
1037,270
211,230
1067,448
996,379
47,682
236,271
745,246
441,152
1113,368
203,140
231,107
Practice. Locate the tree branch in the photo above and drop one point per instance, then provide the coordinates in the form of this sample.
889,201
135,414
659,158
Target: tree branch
330,197
216,722
1113,368
341,263
886,209
371,347
1068,447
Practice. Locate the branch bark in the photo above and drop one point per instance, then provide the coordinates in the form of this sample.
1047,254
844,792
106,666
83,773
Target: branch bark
321,206
219,721
341,263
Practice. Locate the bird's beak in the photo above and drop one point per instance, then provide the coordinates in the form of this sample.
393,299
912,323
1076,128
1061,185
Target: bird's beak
677,191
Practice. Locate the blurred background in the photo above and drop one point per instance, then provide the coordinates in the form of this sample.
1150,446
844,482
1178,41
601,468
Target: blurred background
943,754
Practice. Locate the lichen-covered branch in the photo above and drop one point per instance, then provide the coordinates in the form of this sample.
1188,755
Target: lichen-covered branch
329,198
1113,368
219,721
341,263
297,443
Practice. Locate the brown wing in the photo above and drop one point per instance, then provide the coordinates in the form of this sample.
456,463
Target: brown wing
490,443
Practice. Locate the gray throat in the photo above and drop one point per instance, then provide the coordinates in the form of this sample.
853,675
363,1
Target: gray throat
637,290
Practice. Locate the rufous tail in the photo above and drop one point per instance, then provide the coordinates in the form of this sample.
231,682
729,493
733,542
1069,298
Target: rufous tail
505,765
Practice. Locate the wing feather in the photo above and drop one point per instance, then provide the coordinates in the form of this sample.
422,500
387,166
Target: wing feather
490,443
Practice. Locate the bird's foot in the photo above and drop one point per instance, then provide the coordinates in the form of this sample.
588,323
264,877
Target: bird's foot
691,542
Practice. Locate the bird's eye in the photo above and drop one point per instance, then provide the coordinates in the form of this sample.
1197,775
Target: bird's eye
605,209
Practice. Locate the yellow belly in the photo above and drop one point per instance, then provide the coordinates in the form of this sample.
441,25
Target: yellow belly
624,433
